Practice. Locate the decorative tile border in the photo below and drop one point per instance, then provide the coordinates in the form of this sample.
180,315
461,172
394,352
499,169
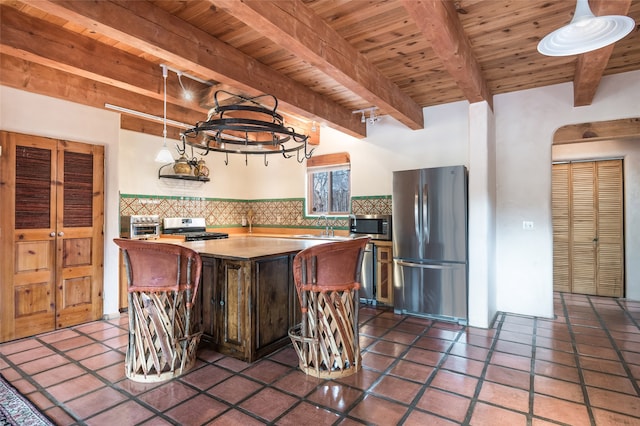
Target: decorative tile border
226,213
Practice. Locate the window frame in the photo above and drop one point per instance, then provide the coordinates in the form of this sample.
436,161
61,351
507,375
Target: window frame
326,164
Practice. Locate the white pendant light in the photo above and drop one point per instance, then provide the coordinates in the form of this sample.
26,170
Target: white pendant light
164,155
585,32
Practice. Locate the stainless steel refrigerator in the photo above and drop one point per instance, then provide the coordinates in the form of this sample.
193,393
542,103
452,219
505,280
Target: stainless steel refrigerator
430,242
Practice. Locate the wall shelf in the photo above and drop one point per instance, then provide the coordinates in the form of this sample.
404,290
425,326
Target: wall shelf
180,177
185,177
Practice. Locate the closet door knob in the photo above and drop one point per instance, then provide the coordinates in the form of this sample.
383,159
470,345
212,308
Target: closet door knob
53,234
60,234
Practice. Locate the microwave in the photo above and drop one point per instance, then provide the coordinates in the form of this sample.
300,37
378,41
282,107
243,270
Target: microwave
140,227
376,226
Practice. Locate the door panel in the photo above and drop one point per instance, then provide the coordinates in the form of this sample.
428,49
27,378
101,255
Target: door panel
588,214
273,292
610,238
51,268
444,213
79,233
560,199
28,280
406,214
434,289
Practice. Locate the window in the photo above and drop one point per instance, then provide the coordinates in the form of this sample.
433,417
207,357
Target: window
328,184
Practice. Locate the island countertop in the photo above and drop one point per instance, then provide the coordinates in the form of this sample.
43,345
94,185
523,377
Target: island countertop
248,248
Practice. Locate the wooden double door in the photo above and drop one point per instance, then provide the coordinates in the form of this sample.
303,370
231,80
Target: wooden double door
51,234
588,227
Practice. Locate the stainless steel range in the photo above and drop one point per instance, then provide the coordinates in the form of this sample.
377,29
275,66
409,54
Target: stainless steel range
192,228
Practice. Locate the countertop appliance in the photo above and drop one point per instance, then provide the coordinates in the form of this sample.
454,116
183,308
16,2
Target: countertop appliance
376,226
430,242
192,228
368,275
140,227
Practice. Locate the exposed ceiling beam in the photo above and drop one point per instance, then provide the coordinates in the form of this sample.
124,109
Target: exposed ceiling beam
41,42
439,23
21,74
151,29
591,65
293,24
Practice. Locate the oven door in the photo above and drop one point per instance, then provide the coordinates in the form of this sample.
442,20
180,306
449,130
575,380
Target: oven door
145,231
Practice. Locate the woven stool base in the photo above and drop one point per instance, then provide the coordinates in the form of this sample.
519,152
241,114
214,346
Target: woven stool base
308,349
161,344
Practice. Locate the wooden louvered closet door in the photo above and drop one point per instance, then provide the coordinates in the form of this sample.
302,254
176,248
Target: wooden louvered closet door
51,224
588,235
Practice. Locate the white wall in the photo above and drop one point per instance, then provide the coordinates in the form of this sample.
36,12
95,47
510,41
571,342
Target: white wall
139,172
524,126
389,146
482,215
629,151
525,123
33,114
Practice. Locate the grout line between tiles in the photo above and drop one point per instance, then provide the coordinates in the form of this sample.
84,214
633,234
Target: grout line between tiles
576,356
621,358
487,361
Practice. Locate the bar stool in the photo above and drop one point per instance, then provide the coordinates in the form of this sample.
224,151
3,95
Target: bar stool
327,280
163,282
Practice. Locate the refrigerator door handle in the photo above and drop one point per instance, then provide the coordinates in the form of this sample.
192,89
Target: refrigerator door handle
425,265
425,213
416,209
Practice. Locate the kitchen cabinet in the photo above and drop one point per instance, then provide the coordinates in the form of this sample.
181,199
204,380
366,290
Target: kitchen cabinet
384,272
51,239
248,305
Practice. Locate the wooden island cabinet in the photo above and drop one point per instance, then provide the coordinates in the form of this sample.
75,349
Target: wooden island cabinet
248,296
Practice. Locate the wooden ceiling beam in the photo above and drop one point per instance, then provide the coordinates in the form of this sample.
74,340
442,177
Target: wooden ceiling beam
41,42
439,23
293,24
151,29
32,77
590,66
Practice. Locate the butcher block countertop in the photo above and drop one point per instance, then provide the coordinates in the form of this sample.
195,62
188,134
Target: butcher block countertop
249,248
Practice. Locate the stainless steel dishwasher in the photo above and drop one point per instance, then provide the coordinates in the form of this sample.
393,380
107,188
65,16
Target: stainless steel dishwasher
368,280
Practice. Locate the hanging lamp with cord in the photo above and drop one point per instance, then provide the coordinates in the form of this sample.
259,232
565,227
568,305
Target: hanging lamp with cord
585,32
246,126
164,155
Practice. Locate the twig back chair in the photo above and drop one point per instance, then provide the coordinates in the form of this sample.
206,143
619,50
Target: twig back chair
163,281
327,279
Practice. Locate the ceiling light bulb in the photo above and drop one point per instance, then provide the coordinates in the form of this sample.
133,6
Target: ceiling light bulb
585,32
186,94
164,156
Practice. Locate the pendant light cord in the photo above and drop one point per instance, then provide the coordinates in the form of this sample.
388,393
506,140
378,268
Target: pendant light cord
164,130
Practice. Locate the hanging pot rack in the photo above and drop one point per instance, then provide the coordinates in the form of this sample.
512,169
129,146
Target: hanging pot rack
246,125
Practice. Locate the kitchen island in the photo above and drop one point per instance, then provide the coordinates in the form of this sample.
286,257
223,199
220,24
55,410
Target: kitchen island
248,296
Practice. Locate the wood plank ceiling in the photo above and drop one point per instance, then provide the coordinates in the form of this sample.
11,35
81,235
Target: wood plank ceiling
322,59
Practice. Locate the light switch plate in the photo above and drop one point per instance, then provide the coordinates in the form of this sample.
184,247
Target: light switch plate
527,225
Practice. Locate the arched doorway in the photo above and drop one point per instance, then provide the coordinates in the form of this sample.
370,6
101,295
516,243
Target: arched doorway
592,210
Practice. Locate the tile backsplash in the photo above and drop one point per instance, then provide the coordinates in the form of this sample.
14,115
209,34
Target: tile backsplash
227,213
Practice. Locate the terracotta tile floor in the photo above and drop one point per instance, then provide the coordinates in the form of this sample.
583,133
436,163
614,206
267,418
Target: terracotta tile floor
582,368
